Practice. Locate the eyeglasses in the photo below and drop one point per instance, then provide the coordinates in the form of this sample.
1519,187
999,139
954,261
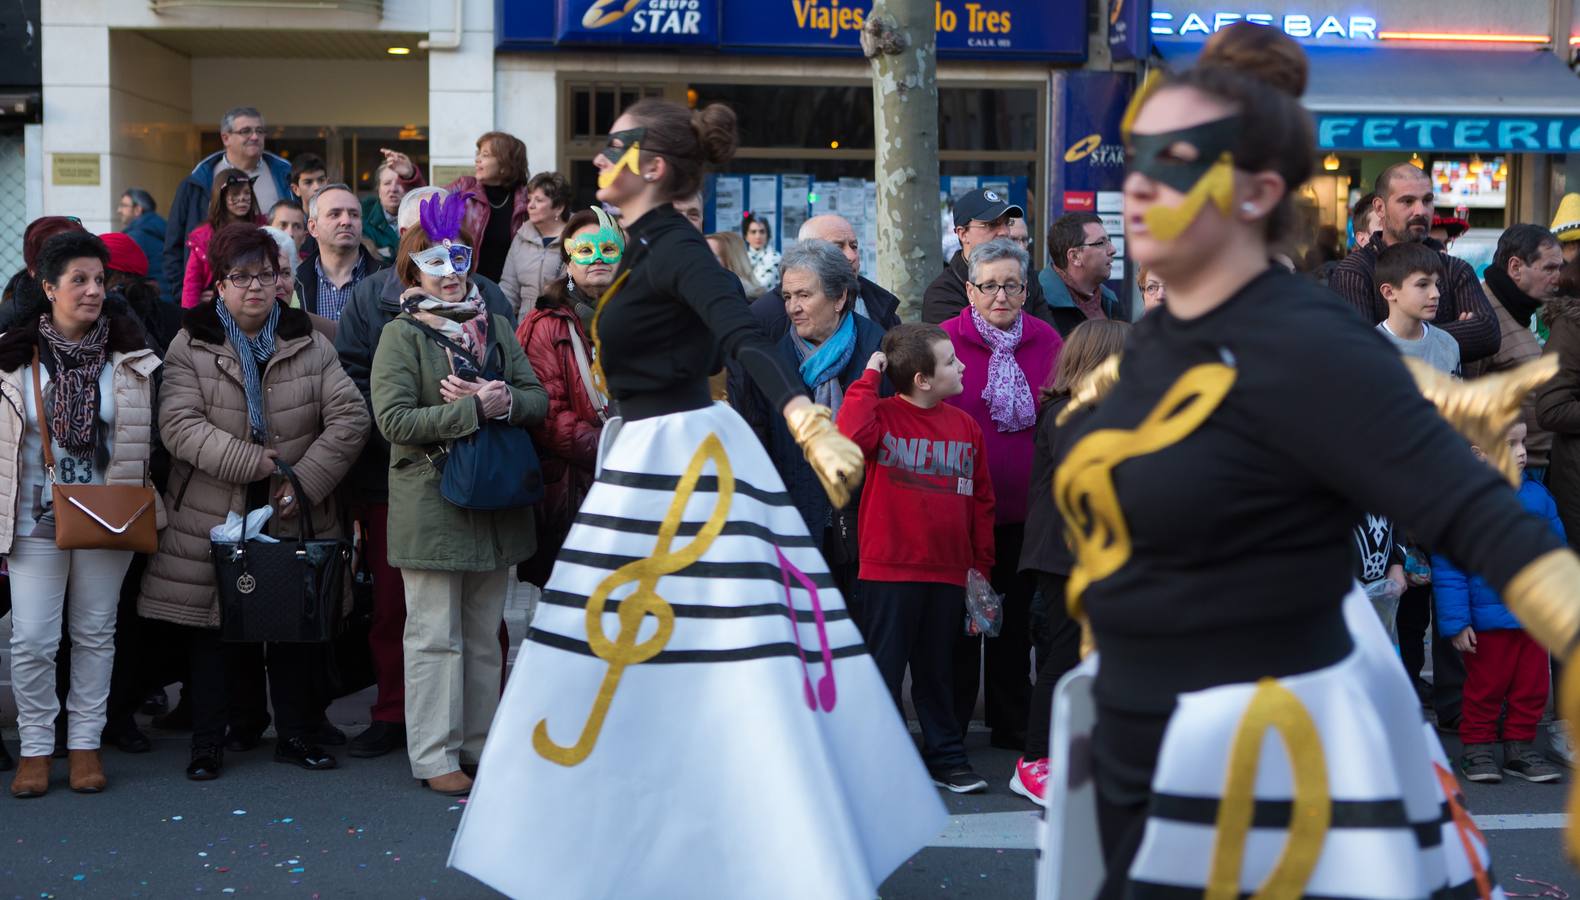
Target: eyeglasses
1013,289
241,280
1104,241
249,132
1152,287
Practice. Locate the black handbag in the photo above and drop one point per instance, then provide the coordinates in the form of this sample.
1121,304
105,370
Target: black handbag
493,468
350,654
288,592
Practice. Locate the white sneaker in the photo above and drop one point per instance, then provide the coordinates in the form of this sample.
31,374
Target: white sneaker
1562,745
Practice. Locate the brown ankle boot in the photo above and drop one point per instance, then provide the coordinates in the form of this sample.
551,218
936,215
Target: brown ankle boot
32,777
87,773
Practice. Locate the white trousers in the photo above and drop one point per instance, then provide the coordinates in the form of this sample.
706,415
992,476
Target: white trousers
453,665
45,581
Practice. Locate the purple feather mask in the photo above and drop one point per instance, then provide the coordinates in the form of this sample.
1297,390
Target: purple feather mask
441,216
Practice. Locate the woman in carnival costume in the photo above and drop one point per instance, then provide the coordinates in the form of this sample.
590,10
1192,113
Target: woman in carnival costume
693,713
1254,732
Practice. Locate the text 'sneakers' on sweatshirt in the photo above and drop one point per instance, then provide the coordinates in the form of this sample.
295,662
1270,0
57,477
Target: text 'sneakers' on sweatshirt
927,501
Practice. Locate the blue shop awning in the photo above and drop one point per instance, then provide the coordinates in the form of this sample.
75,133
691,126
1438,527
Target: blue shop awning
1515,100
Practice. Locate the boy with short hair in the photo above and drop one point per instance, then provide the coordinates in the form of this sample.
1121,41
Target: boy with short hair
926,518
1505,668
308,177
1407,277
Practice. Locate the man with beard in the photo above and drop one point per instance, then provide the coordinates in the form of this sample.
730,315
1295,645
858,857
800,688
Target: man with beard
1523,276
1404,207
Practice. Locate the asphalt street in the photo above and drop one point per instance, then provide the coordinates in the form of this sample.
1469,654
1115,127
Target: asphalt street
368,830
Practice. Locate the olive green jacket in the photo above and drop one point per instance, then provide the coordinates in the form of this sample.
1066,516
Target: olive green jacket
425,530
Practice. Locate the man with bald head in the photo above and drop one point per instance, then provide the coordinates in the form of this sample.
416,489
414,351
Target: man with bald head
1403,209
873,302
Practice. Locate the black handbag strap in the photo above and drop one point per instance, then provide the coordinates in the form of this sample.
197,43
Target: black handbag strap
302,509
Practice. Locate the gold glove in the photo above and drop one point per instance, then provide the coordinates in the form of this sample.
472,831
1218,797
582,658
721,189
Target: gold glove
1092,388
1545,597
1483,410
835,458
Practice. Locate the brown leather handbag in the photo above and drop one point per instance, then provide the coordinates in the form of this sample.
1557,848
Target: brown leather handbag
96,516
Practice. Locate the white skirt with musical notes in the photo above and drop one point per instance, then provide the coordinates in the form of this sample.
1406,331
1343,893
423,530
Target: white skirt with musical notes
693,713
1326,784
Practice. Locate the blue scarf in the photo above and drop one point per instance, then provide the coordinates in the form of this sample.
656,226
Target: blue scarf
820,368
252,352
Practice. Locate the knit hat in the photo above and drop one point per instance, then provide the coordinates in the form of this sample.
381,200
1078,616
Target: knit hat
125,255
1566,224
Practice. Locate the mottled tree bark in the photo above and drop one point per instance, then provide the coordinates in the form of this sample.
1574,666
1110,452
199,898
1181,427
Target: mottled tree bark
899,38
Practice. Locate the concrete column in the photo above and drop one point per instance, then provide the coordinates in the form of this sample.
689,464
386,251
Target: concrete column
76,75
460,83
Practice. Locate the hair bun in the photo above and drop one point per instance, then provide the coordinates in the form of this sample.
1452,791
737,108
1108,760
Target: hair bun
715,127
1261,52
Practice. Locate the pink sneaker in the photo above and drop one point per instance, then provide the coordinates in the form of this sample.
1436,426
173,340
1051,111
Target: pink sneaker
1031,780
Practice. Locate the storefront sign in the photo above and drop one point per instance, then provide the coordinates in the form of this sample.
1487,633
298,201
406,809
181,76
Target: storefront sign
664,22
1303,25
1036,29
1127,28
1469,134
76,169
1088,153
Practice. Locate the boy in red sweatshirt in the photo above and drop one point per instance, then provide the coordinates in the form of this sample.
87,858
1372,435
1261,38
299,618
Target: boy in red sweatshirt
926,518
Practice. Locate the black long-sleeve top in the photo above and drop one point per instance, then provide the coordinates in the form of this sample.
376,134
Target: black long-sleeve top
1479,336
1241,529
674,319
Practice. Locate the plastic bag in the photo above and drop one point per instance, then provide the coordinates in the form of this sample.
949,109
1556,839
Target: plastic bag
984,608
230,532
1383,589
1417,568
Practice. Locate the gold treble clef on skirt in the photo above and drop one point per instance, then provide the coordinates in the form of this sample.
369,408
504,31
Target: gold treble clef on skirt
625,650
1083,487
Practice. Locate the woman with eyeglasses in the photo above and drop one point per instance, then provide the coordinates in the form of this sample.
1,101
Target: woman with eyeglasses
232,201
1008,355
554,336
1154,293
444,367
247,382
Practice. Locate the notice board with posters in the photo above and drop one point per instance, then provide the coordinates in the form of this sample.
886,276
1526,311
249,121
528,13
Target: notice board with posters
1088,155
1044,30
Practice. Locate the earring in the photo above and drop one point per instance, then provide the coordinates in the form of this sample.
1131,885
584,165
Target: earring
649,177
1248,208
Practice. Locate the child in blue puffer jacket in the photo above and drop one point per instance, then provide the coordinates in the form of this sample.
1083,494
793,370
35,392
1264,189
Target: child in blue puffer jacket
1503,664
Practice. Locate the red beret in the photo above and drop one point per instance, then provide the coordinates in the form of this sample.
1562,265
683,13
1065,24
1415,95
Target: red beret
125,255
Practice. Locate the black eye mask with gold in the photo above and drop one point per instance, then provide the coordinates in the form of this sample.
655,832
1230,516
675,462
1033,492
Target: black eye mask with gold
1152,156
1209,177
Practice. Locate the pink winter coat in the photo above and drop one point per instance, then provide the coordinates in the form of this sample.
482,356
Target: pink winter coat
198,277
1008,453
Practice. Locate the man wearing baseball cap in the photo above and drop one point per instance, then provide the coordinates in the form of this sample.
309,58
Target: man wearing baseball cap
980,216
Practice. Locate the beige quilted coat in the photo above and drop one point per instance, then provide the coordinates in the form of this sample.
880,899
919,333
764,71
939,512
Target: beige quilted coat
318,423
132,383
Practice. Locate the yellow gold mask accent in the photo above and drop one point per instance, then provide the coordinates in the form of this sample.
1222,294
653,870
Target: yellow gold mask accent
1272,706
630,159
599,381
1154,80
1168,222
1083,487
624,650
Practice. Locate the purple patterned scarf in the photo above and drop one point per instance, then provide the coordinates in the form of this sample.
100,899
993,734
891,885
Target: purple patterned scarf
1007,394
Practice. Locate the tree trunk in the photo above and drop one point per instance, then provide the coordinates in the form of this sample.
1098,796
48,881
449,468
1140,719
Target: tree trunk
899,38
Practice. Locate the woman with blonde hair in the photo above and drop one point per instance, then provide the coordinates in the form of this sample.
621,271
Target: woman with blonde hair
730,250
1046,556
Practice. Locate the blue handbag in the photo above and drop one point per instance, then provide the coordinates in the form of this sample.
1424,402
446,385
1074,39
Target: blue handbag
493,468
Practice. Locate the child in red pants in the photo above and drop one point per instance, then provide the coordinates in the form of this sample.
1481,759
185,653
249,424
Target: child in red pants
1503,664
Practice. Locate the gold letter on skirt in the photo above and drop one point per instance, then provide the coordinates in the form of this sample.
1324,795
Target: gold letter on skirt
624,650
1272,706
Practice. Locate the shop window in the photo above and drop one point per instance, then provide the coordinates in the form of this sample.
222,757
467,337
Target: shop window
594,107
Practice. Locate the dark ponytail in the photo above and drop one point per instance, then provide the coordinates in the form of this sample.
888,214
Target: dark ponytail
690,142
1262,72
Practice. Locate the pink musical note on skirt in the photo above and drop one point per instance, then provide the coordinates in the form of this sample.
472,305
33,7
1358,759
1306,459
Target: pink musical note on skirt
825,694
